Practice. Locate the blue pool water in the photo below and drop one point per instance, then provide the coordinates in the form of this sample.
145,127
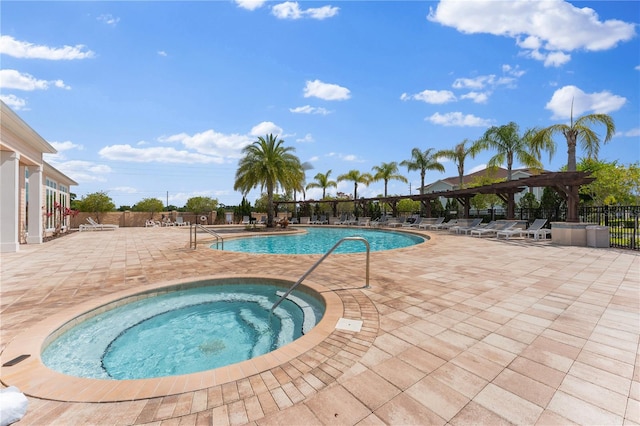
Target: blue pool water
183,332
320,240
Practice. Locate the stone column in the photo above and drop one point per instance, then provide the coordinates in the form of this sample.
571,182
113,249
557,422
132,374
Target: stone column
36,198
10,203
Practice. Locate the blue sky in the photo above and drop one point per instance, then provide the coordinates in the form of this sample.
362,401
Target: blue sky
144,99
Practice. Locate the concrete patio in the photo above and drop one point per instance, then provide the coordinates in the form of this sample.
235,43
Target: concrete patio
457,330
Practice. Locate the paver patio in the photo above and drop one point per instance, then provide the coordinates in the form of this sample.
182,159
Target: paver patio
456,331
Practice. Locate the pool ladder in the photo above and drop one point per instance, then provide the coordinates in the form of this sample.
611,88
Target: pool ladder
315,265
193,232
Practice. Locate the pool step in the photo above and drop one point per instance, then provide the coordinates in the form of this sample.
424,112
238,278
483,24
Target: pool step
309,316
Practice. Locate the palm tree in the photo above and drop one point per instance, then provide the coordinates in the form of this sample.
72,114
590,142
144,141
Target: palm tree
387,172
356,177
459,155
322,181
268,164
423,161
510,146
579,131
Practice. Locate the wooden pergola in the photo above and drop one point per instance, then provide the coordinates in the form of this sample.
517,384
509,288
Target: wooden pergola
567,184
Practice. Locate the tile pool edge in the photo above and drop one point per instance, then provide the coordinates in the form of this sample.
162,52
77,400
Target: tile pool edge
33,378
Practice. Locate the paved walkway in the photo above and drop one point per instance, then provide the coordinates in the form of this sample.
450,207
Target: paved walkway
456,331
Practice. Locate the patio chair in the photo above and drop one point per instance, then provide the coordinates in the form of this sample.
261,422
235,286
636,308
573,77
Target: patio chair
181,222
463,228
364,221
429,224
534,228
417,220
481,225
381,221
499,226
246,220
99,226
444,225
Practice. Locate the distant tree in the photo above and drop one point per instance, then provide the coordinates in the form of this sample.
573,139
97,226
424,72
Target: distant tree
614,184
422,161
578,131
357,178
171,208
409,206
96,203
268,164
387,172
124,208
510,146
150,205
551,201
244,209
322,181
201,205
483,201
459,154
528,201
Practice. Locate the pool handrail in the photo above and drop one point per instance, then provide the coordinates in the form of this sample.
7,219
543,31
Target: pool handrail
315,265
193,232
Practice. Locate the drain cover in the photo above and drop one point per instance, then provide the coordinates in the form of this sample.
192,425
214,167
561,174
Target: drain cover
349,324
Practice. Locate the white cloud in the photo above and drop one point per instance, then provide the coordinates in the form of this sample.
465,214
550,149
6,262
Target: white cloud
162,53
431,96
12,79
479,82
125,189
266,128
306,139
326,91
308,109
213,144
637,68
477,97
22,49
323,12
292,10
601,102
14,102
477,168
630,133
65,146
543,28
109,19
250,4
81,171
458,119
156,155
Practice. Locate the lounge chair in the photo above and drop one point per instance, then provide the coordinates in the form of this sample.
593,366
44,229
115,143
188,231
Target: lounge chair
262,221
364,221
430,223
417,220
445,225
481,225
320,220
149,223
292,221
463,228
246,220
95,226
393,222
181,222
535,229
499,226
381,221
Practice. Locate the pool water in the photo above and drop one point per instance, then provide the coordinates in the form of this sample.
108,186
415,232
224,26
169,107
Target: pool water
183,332
318,240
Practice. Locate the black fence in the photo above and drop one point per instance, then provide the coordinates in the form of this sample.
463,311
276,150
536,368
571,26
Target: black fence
623,221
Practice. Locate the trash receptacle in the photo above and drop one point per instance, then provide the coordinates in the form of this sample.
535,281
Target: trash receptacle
598,236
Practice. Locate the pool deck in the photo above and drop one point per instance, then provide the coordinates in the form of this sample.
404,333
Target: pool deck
458,330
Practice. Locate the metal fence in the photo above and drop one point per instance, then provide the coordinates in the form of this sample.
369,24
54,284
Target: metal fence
623,221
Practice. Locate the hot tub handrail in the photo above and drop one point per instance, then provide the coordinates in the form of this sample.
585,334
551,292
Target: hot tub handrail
193,232
315,265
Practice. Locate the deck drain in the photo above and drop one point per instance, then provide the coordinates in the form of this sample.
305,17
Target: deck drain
349,325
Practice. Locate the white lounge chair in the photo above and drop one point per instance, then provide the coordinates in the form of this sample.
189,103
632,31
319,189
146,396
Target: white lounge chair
499,226
430,223
535,229
95,226
151,223
364,221
463,228
417,220
246,220
181,222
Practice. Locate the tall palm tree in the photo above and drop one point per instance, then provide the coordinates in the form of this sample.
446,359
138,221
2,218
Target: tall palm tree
459,154
322,181
579,131
268,164
510,146
356,177
423,161
387,172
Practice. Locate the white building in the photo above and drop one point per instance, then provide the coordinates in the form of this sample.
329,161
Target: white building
32,192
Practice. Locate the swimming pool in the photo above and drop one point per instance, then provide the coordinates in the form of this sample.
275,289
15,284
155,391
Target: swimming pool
317,240
184,331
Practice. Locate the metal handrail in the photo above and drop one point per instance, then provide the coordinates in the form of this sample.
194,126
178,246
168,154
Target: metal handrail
315,265
193,239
